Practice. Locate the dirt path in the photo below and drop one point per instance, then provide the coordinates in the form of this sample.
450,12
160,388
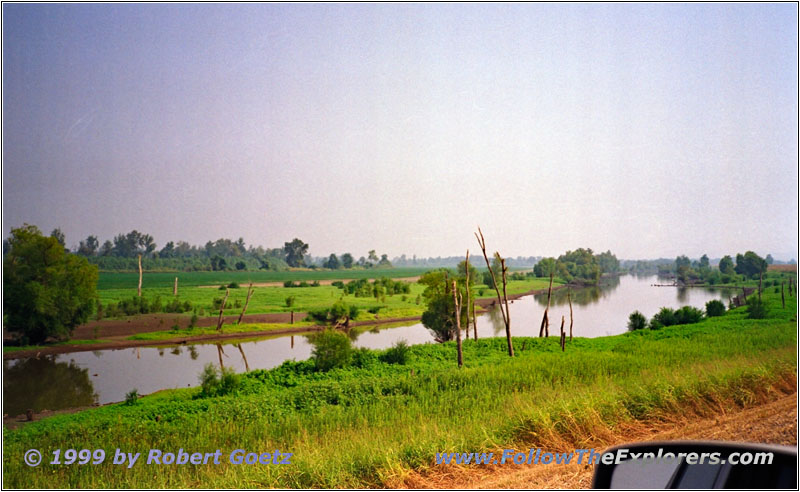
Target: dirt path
774,422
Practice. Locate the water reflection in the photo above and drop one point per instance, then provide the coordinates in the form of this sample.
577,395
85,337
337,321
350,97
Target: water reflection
598,311
43,383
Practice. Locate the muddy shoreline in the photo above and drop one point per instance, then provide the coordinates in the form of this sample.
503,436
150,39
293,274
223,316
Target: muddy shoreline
151,323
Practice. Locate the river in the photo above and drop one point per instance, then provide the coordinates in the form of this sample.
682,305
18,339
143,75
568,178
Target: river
87,378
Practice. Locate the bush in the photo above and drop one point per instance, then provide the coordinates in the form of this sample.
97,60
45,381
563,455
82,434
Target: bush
303,284
132,397
332,349
398,354
756,309
222,287
665,317
375,309
637,321
289,283
338,284
290,301
315,283
214,382
193,321
363,358
715,308
233,285
688,315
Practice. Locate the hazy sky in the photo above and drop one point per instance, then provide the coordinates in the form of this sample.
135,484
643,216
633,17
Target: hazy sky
648,129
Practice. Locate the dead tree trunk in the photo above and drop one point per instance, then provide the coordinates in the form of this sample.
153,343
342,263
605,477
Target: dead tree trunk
783,299
563,335
222,308
292,342
466,283
760,278
219,353
569,298
246,365
139,289
544,329
175,287
246,302
291,317
506,319
456,301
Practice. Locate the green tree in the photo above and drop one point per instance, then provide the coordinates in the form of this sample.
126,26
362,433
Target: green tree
347,260
726,265
59,236
47,292
750,264
295,251
636,321
704,262
332,262
545,267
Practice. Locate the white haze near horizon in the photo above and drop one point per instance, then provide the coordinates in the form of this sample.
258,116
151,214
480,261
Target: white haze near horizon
651,130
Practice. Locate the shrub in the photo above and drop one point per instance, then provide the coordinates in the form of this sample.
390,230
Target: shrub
132,397
665,317
756,309
688,315
338,284
363,358
332,349
398,354
315,283
240,265
303,284
289,283
636,321
193,321
375,309
233,285
290,301
715,308
214,382
222,287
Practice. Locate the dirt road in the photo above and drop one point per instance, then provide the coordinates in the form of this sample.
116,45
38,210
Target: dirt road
774,422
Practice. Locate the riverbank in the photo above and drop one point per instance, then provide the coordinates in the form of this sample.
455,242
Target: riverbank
119,334
373,423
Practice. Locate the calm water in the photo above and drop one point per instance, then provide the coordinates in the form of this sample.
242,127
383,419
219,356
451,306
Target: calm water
85,378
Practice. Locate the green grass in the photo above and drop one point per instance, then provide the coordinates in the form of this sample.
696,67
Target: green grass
273,299
11,348
114,280
243,328
362,426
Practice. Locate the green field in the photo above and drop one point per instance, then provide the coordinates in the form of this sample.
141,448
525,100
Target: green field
366,424
113,280
273,299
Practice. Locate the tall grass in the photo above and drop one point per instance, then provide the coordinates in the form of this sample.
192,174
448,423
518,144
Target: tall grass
363,426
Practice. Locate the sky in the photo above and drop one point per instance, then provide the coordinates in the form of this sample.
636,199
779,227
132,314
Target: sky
652,130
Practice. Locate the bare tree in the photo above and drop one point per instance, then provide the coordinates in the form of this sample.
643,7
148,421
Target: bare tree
457,300
139,289
246,365
544,329
175,287
466,282
506,317
569,298
246,302
563,335
221,309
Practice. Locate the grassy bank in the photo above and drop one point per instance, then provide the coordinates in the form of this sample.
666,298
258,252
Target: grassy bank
365,425
273,299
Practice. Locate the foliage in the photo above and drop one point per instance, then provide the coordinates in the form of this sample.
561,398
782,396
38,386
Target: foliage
715,307
132,397
750,264
46,291
756,308
233,285
397,354
290,301
332,262
726,265
218,382
664,317
637,321
295,252
347,260
439,316
332,350
688,315
337,313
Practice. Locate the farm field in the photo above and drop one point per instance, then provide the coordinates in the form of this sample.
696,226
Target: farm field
372,422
